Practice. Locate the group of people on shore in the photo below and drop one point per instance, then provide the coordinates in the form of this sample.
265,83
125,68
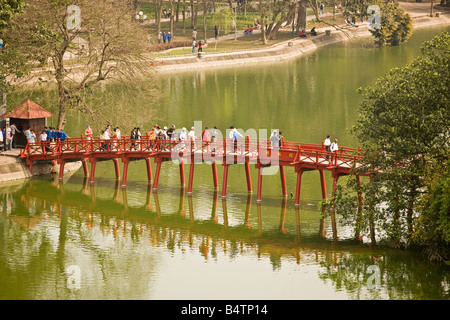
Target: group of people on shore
6,137
164,37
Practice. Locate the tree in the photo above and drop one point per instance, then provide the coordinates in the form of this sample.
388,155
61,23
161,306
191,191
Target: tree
396,25
12,62
107,44
404,128
8,8
222,18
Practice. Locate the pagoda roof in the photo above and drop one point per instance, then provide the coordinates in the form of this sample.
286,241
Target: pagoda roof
28,110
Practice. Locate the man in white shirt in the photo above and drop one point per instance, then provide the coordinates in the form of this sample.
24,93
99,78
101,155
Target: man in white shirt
334,147
327,144
234,137
191,134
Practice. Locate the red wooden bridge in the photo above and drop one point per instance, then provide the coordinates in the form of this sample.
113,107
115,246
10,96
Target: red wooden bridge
302,156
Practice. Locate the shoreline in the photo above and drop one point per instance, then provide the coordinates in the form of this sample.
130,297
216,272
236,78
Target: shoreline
13,168
283,51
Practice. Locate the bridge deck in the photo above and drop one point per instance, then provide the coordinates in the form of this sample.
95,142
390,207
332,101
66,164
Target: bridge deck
302,156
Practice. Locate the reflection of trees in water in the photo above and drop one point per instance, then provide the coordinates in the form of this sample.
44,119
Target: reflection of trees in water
402,275
48,228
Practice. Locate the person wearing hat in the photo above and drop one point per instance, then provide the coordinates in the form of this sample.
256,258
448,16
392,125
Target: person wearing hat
169,37
191,134
182,137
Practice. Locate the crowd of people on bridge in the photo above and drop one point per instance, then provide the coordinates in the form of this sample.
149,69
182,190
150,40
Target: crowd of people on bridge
110,136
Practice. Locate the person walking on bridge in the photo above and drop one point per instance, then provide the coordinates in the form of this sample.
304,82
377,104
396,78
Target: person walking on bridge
275,140
327,144
88,132
334,148
234,136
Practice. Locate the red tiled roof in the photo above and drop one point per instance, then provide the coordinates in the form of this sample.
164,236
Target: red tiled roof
28,110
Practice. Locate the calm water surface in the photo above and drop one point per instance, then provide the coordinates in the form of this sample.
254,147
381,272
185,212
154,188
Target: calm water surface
131,243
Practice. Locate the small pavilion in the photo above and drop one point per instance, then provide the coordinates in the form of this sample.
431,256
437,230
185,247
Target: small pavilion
26,115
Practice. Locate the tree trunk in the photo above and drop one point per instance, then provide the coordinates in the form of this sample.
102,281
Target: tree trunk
158,17
205,11
301,19
262,13
172,10
245,9
192,14
196,16
272,34
184,16
178,11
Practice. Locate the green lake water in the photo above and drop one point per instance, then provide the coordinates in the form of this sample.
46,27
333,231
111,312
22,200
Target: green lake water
74,240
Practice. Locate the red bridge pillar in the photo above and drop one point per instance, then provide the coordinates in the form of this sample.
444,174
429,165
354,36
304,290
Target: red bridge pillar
191,176
61,169
182,180
126,162
322,184
248,177
259,194
225,180
93,164
214,173
158,170
85,167
283,181
116,168
299,185
149,169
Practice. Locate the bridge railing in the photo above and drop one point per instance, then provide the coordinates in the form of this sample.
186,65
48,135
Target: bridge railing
253,149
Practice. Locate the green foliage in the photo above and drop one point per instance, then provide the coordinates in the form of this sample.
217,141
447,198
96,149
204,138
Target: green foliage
396,25
404,129
223,18
8,8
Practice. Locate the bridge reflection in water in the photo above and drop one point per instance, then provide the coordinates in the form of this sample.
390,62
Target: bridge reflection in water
132,234
147,220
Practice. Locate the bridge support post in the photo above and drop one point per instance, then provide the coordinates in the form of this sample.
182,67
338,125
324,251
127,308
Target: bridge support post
299,185
191,176
149,169
158,170
332,210
126,162
225,180
214,173
93,165
283,181
85,167
248,177
61,169
182,180
322,184
116,168
259,193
